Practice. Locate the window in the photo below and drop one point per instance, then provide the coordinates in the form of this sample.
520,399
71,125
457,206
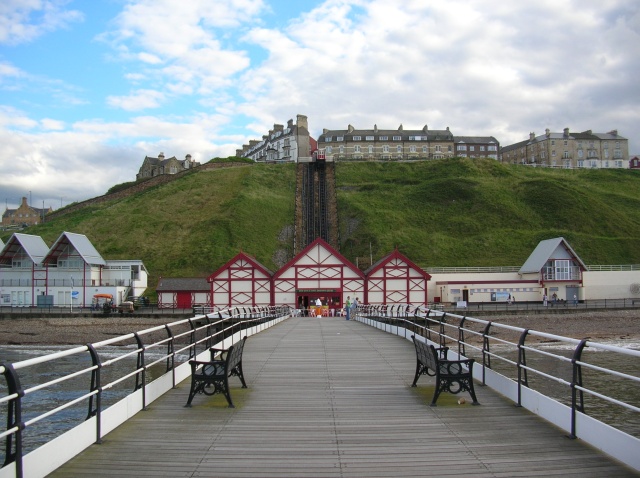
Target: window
481,148
565,142
553,142
341,149
472,148
580,153
617,144
384,138
606,145
370,149
412,149
438,148
492,148
399,149
580,163
424,149
328,139
565,155
385,148
397,138
462,147
606,153
553,153
339,138
357,138
356,148
369,138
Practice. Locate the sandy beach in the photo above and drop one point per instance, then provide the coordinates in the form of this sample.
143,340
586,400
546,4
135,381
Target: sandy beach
597,326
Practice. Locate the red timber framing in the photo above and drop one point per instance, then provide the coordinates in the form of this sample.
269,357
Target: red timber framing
241,281
394,279
318,272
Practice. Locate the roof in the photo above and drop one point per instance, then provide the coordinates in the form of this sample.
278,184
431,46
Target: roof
174,284
243,256
80,243
322,243
475,139
425,134
396,255
33,246
543,252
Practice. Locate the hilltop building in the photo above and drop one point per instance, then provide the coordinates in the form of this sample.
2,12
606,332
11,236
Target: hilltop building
157,166
69,273
282,144
24,215
570,150
398,144
634,162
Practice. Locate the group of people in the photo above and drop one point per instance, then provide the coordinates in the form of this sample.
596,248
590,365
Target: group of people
350,306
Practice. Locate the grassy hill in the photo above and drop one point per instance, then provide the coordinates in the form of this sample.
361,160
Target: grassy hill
457,212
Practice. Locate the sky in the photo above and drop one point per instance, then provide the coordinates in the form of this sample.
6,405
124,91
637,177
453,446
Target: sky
89,88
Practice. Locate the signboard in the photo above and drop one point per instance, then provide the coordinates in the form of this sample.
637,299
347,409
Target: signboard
74,294
314,291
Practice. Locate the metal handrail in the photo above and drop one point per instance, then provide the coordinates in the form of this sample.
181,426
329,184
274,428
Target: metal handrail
436,324
200,334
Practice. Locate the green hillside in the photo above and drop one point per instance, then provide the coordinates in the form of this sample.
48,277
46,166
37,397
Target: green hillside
457,212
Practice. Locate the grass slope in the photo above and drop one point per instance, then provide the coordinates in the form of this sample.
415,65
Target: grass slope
457,212
464,212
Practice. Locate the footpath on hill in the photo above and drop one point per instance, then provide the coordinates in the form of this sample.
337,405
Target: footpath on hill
599,326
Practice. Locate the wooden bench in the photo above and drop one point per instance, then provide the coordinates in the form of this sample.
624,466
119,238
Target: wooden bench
213,377
453,376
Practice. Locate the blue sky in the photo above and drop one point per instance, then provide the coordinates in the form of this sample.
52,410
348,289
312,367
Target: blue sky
89,88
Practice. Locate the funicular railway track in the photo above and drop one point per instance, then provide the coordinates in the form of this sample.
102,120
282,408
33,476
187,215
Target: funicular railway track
314,204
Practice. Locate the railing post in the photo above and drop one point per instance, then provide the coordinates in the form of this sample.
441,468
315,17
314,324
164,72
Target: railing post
486,358
522,361
96,386
576,381
14,419
170,352
461,349
141,382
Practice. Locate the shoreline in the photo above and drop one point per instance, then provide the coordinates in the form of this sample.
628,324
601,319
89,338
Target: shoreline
597,326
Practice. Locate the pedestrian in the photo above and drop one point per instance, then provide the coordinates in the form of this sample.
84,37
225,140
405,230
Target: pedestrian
347,307
318,307
554,299
354,306
544,300
575,300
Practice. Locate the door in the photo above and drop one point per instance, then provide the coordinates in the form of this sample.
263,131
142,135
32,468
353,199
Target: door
184,300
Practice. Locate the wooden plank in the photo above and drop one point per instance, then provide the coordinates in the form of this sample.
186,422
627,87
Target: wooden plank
331,398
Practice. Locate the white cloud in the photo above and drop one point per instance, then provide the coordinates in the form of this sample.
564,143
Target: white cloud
138,100
23,21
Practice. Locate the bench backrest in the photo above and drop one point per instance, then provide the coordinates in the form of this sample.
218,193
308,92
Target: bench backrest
235,354
426,354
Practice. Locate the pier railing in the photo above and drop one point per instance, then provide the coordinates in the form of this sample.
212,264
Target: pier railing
589,389
90,390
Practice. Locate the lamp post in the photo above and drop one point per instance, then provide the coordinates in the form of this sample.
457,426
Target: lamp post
71,295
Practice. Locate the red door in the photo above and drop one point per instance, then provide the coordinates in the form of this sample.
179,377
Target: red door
184,300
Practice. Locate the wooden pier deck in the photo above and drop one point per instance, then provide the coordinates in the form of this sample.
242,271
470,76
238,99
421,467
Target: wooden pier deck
331,398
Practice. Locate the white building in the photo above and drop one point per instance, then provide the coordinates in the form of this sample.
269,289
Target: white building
69,273
553,268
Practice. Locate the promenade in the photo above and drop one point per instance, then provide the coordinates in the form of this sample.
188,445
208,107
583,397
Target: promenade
331,398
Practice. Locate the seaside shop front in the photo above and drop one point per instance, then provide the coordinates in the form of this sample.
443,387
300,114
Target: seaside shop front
306,300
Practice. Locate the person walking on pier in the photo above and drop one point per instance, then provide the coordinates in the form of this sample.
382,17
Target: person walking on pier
347,307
